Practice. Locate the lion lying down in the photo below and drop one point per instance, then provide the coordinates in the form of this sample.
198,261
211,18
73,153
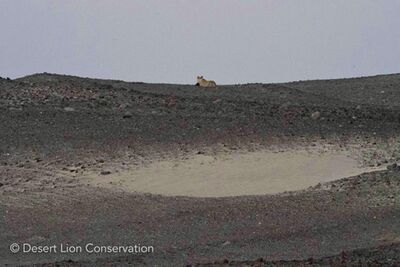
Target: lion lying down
204,83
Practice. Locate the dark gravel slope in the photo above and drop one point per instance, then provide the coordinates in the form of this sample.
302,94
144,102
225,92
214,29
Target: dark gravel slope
50,121
48,113
380,90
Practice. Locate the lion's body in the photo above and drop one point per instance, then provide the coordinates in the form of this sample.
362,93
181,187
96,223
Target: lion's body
204,83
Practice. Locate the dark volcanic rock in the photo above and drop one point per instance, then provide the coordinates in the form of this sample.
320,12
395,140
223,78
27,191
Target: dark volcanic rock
127,115
394,167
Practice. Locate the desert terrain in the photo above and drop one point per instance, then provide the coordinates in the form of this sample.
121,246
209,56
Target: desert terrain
292,174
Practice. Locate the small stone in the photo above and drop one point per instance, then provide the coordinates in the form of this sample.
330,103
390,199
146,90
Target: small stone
73,169
393,167
105,172
69,109
226,243
127,115
315,115
1,184
217,101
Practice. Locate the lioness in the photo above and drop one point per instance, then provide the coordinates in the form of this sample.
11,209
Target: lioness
204,83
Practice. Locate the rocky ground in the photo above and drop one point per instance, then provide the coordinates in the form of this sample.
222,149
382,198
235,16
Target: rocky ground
54,127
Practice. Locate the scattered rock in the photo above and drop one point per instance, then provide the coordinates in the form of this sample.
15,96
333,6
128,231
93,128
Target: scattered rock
124,106
105,172
227,243
216,101
1,184
73,169
260,260
393,167
127,115
69,109
315,115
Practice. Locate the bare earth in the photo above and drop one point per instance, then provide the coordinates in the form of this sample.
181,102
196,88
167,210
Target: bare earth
296,174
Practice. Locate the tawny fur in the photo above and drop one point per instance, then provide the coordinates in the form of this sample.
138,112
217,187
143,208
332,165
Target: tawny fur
204,83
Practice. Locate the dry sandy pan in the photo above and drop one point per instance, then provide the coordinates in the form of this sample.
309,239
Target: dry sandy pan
234,174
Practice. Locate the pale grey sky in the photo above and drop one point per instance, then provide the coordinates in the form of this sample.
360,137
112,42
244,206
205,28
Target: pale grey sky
230,41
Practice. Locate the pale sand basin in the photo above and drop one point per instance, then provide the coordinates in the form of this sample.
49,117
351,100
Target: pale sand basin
234,174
